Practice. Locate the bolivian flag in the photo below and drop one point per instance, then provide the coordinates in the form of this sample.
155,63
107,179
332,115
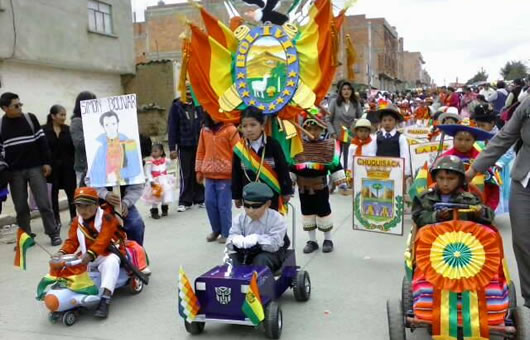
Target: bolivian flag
210,71
24,241
75,278
219,31
252,306
344,136
421,183
315,49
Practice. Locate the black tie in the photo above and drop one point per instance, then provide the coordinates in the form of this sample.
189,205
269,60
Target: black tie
388,135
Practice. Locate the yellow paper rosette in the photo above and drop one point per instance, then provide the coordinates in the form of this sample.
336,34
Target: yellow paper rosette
458,255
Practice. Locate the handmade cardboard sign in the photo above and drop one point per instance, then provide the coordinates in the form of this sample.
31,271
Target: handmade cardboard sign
378,194
426,152
112,142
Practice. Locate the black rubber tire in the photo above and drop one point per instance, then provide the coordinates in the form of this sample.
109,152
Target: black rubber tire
273,322
69,318
53,317
522,323
407,299
194,328
396,320
512,296
302,286
135,286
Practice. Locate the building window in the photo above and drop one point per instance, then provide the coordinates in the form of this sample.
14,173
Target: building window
99,17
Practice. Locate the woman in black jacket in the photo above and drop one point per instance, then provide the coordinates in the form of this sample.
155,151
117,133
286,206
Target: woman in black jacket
62,150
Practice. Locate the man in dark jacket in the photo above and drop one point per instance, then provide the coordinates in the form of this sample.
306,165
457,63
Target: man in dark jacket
184,126
27,157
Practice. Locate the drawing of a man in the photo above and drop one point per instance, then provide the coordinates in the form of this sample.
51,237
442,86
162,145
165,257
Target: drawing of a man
117,160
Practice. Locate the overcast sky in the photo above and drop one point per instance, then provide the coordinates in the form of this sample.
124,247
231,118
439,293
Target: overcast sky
456,37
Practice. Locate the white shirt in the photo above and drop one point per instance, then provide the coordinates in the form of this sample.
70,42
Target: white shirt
369,149
403,148
257,144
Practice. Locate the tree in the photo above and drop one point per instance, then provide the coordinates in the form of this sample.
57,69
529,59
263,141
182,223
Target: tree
377,187
513,70
479,76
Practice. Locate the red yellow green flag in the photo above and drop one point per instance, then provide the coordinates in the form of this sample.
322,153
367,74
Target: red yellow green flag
316,49
24,242
210,72
252,306
345,136
219,31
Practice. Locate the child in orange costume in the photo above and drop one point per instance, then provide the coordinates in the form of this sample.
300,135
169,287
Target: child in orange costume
92,232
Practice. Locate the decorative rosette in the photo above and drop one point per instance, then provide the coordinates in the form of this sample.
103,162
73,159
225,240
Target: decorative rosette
458,255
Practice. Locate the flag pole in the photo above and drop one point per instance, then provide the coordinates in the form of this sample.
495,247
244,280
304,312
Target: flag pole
41,247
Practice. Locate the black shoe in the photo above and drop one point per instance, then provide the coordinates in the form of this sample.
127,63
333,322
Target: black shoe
327,246
165,208
103,309
310,247
56,240
154,214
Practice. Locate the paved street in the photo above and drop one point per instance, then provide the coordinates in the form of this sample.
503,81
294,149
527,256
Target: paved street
350,285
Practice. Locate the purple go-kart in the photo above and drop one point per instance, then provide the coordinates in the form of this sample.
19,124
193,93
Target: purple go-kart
221,292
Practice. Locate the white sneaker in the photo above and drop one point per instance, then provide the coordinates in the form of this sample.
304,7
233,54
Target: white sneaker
202,205
182,208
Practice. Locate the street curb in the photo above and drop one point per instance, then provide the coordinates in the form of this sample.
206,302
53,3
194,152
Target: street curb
6,219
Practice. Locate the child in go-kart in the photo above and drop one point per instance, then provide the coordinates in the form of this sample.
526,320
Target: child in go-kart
93,231
257,235
449,175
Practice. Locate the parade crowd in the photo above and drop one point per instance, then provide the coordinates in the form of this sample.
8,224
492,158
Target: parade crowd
221,163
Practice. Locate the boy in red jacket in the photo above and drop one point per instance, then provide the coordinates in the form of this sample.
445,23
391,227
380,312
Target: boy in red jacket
92,232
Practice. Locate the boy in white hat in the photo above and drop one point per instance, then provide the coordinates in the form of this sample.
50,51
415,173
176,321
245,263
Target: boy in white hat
362,144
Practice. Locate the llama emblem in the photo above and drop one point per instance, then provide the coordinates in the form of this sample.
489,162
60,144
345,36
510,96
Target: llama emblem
267,67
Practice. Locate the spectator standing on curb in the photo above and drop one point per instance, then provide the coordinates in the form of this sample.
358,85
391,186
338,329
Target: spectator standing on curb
76,131
62,152
184,126
27,156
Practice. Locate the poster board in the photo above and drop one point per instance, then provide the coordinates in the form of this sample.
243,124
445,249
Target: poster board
417,132
425,152
112,142
378,204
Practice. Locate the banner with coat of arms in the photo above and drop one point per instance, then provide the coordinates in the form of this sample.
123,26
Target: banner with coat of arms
378,194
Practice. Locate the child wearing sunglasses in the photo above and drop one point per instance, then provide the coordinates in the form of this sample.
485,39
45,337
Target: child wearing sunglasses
258,235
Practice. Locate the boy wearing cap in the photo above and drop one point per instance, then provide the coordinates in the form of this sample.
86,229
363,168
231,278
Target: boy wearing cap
257,235
391,143
449,175
320,157
362,144
92,232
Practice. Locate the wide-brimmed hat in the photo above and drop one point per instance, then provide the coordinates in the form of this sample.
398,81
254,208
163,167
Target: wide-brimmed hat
390,110
483,113
362,123
450,112
453,129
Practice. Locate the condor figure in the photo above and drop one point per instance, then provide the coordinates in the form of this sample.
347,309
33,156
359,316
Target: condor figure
266,11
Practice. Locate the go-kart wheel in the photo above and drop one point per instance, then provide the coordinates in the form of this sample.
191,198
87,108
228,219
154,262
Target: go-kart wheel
522,323
407,300
53,317
69,318
302,286
194,327
273,322
396,320
512,296
135,285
